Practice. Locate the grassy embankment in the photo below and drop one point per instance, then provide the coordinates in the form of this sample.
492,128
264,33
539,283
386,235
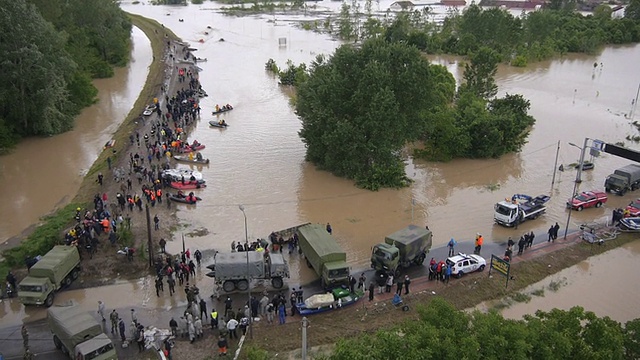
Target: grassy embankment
51,229
462,293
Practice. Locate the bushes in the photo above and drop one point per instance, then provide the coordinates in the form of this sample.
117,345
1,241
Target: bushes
44,237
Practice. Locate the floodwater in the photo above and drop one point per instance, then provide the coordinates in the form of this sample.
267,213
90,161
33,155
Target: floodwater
44,173
258,161
604,284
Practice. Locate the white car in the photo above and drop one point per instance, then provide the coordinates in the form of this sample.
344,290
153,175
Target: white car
463,264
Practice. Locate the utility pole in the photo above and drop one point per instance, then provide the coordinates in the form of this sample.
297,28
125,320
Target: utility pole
149,246
555,166
575,184
305,324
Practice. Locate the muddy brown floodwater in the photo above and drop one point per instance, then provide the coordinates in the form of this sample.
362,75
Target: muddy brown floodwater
44,173
590,284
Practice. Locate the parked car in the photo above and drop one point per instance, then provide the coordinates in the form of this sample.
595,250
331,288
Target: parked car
633,209
587,199
463,264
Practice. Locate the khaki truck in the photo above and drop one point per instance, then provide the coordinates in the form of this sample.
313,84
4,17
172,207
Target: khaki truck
56,270
78,335
324,255
402,249
235,270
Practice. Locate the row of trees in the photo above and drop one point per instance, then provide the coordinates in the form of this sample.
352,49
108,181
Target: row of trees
442,332
362,106
534,36
49,51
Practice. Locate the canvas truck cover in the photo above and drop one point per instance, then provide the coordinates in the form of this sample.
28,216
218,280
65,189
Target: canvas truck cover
319,300
317,245
56,264
410,240
72,325
234,265
279,266
631,172
98,348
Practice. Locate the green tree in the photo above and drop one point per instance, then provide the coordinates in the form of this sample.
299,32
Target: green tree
479,73
632,11
36,70
442,332
361,106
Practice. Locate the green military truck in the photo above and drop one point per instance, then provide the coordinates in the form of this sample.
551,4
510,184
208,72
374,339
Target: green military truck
78,335
324,255
402,249
57,269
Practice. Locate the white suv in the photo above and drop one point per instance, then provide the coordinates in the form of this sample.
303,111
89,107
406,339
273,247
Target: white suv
462,264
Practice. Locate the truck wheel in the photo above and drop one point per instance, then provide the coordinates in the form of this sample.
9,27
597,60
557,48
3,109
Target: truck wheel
75,273
277,282
308,263
622,192
579,208
57,342
242,285
420,259
66,282
598,204
49,301
228,286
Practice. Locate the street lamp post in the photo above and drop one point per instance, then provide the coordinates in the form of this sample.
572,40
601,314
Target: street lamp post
246,242
576,182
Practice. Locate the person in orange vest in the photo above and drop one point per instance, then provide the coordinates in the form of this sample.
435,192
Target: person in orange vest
479,241
159,196
152,198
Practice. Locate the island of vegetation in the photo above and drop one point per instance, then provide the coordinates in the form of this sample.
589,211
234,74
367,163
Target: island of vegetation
365,105
49,52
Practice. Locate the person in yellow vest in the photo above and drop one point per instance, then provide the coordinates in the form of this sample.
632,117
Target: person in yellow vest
217,108
191,156
214,319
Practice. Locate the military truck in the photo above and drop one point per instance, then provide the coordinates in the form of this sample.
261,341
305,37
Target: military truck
56,270
402,249
627,178
235,270
78,335
324,255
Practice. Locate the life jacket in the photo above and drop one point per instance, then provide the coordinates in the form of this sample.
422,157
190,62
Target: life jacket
152,196
159,192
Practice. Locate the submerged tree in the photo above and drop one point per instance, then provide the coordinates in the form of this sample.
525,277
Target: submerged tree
360,107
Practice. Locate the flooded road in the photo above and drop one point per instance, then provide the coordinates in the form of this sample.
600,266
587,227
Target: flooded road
44,173
258,161
604,284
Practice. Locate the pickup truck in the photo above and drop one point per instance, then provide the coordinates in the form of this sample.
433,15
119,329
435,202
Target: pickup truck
587,199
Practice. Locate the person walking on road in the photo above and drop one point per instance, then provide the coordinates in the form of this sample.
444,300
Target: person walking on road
101,308
407,282
114,320
479,241
121,328
451,245
371,288
399,285
556,228
550,233
231,326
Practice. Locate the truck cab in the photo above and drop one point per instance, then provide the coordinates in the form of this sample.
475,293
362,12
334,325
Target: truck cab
505,213
616,183
385,257
98,348
36,291
335,273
